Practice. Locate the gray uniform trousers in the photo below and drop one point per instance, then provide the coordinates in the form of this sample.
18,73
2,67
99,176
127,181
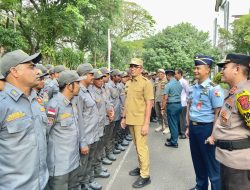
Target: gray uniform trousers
86,165
108,131
114,134
64,182
97,163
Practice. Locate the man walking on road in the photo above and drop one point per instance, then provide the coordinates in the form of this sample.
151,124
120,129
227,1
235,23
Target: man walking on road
136,115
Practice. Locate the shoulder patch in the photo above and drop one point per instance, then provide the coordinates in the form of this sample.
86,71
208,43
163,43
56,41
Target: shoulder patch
243,105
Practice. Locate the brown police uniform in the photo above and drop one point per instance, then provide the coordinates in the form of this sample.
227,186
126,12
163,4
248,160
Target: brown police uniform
232,136
138,90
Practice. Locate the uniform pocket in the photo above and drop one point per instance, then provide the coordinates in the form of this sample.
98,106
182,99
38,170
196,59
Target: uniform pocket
66,122
19,125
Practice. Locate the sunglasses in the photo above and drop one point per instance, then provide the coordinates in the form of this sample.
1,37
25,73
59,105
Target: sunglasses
134,66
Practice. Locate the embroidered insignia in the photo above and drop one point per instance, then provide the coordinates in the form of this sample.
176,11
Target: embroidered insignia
14,93
244,102
50,121
15,116
243,105
39,100
199,105
230,101
65,115
217,93
97,100
51,111
232,90
42,109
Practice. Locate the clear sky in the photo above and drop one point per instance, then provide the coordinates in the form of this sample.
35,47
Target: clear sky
200,13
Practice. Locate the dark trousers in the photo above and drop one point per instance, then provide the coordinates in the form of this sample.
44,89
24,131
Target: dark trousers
65,182
86,164
97,163
182,124
203,156
108,132
173,115
234,179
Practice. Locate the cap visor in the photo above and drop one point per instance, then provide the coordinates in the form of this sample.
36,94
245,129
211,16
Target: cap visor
34,58
221,64
43,75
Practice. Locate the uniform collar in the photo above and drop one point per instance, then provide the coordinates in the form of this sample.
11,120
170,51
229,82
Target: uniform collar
136,78
16,93
55,82
83,88
98,90
204,83
242,83
63,99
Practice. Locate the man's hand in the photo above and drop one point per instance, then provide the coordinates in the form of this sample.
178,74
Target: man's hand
111,115
84,150
210,140
162,112
123,123
144,130
187,132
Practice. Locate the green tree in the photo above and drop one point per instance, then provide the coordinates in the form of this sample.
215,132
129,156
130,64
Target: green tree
175,47
239,36
134,22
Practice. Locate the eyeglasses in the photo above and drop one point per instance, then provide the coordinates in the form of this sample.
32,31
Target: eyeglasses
134,66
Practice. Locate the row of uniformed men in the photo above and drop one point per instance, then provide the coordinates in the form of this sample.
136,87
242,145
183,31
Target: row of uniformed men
43,126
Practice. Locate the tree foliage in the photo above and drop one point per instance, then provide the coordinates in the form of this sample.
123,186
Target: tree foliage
134,22
175,47
239,36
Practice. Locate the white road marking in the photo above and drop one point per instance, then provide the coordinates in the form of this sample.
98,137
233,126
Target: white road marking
110,183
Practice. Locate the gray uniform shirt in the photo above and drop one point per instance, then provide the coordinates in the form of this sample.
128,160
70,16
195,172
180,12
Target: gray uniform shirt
115,99
99,97
121,87
87,120
63,140
51,88
23,144
109,106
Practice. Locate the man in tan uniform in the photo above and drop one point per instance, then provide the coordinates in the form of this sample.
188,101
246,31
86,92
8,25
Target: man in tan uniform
159,89
232,129
136,115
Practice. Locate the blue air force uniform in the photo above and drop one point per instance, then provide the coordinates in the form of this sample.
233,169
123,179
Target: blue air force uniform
203,99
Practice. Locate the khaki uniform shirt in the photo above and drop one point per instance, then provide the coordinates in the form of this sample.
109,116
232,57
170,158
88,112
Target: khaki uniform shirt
138,90
159,89
231,126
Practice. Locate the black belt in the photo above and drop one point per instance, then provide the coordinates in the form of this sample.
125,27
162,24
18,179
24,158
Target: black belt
174,102
200,123
233,144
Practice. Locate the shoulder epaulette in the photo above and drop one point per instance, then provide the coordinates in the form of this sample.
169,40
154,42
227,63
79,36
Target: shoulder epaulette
212,84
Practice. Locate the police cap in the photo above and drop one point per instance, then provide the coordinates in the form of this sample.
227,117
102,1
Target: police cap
84,69
203,60
236,58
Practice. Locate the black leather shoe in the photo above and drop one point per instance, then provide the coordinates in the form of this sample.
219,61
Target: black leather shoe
169,144
135,172
168,140
182,137
141,182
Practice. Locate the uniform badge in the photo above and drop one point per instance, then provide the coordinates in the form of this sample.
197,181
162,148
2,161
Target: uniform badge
52,111
243,105
42,109
199,105
217,93
39,100
14,92
223,116
50,121
232,90
14,116
65,115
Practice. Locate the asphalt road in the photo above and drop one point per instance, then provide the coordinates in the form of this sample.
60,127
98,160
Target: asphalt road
170,168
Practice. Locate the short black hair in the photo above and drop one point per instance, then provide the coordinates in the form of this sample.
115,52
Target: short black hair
180,71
